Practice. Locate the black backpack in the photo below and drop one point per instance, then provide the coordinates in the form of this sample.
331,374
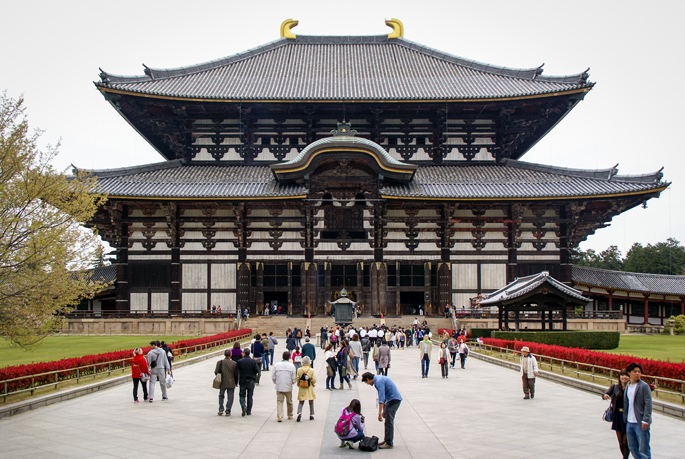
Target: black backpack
368,443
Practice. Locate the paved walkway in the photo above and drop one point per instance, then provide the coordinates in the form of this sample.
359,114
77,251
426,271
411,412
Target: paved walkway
476,413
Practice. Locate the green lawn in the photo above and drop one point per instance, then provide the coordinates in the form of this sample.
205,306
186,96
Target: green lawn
658,347
60,347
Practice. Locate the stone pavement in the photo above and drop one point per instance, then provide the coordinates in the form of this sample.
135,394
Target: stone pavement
475,413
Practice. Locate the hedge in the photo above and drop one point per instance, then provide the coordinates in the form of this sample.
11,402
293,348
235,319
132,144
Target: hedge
616,361
95,363
482,332
581,339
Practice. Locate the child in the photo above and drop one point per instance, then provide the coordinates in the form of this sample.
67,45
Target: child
297,358
355,426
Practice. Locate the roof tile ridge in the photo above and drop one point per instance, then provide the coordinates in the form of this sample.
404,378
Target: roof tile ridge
152,74
592,268
597,174
534,73
130,170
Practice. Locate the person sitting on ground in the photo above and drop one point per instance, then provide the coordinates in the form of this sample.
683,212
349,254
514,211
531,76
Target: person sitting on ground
355,433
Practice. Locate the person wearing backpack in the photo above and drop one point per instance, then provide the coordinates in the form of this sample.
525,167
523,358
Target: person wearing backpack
298,336
350,425
366,348
306,380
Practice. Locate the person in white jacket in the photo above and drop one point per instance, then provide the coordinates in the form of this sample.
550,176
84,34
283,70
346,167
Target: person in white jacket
283,375
529,370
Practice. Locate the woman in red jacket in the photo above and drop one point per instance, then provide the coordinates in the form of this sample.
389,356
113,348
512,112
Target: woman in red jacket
140,373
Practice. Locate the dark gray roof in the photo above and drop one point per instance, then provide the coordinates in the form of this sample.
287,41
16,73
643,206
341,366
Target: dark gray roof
343,68
173,179
104,274
511,179
634,282
524,285
517,179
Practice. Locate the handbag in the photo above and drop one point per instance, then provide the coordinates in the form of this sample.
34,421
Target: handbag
368,443
441,361
216,384
169,381
608,415
144,377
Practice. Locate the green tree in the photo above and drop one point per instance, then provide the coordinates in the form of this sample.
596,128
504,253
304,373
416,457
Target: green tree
606,259
44,247
661,258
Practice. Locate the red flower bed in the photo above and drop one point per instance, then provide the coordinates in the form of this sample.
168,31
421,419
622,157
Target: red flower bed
616,361
93,363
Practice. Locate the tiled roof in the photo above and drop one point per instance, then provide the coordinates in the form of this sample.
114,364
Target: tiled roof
511,179
517,179
343,68
172,179
524,285
634,282
349,140
105,274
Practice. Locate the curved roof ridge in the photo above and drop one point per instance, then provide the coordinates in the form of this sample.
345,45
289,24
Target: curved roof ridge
100,173
152,74
352,140
526,74
597,174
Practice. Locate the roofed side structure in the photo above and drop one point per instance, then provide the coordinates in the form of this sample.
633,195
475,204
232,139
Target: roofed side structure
524,286
661,284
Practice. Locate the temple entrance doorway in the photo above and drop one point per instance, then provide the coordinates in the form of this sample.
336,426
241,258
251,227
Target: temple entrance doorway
410,301
281,299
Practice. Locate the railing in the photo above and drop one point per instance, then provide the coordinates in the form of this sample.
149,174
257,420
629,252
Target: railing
96,369
591,371
204,314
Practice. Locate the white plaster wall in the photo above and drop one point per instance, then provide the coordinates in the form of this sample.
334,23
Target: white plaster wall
138,302
194,301
493,276
160,301
227,301
194,276
223,276
464,276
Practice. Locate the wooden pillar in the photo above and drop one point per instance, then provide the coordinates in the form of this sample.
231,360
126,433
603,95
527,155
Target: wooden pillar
682,305
311,285
564,249
383,296
427,303
611,299
360,284
290,289
646,322
517,317
499,317
506,318
260,288
564,317
121,284
243,287
515,214
542,319
445,284
373,283
327,281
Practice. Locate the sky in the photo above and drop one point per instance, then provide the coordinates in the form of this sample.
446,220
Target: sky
51,52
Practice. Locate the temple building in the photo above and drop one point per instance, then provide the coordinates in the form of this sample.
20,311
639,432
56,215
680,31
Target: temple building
373,163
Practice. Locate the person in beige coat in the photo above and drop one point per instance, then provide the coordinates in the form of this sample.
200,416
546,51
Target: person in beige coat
306,377
425,349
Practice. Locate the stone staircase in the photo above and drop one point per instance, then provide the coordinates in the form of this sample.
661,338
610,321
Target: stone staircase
279,324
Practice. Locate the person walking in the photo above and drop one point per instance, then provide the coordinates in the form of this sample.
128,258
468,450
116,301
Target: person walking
341,357
298,336
529,370
425,349
324,337
389,400
366,348
229,379
272,347
158,363
615,394
375,355
637,412
353,413
140,373
309,350
283,376
290,343
453,348
306,381
249,369
236,352
463,353
169,354
331,367
257,349
384,358
355,349
444,360
297,358
266,354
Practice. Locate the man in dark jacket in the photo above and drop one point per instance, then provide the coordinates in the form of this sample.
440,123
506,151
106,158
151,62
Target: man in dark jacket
258,352
637,412
309,350
324,336
229,379
248,368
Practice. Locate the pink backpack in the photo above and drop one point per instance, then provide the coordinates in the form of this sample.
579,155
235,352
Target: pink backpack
344,425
